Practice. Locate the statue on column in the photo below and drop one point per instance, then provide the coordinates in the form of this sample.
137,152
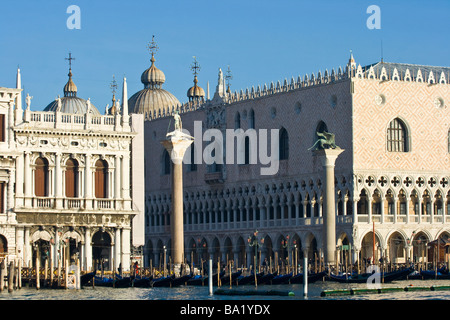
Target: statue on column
325,141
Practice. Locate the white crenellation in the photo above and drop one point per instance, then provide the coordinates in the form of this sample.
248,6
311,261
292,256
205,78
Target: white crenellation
317,79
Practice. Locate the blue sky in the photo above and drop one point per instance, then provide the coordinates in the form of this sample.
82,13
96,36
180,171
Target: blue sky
261,41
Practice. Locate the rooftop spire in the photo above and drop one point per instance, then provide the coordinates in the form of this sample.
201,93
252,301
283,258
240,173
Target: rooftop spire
228,77
153,78
70,89
19,86
113,87
153,48
195,93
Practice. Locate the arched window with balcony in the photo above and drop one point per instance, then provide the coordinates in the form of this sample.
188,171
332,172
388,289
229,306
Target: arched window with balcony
71,178
101,179
41,187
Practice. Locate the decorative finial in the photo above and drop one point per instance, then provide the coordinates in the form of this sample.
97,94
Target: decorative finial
195,67
70,60
228,77
113,85
152,48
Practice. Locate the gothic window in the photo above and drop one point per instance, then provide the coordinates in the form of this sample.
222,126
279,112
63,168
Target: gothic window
251,119
237,121
247,150
41,177
193,165
214,167
101,179
166,163
284,144
71,178
397,136
2,127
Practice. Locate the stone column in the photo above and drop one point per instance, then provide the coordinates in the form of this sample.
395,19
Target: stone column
117,185
19,180
27,247
11,214
126,250
58,181
176,144
126,182
328,158
88,248
28,179
88,182
118,249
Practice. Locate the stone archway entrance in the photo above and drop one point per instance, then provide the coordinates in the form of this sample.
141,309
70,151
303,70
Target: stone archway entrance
101,250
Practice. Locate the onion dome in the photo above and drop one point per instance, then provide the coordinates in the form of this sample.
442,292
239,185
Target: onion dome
70,103
153,99
153,77
70,89
196,93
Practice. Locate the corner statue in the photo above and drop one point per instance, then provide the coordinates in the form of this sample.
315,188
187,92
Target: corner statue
177,121
325,141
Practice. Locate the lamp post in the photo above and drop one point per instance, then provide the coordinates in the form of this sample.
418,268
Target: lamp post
256,243
164,260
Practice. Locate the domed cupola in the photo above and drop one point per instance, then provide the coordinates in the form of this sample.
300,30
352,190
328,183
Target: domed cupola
153,78
196,93
153,99
70,89
70,103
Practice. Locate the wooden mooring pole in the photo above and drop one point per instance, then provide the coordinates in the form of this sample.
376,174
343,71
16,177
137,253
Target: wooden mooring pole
2,275
11,277
38,280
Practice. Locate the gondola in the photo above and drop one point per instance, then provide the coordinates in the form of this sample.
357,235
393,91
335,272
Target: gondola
312,277
226,278
281,279
103,282
180,281
86,278
434,275
141,282
195,281
364,277
120,282
161,282
250,279
203,281
267,278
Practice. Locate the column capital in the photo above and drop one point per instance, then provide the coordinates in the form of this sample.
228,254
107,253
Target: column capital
328,156
176,143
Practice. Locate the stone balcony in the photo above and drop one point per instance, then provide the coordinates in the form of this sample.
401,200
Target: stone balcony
69,204
68,121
